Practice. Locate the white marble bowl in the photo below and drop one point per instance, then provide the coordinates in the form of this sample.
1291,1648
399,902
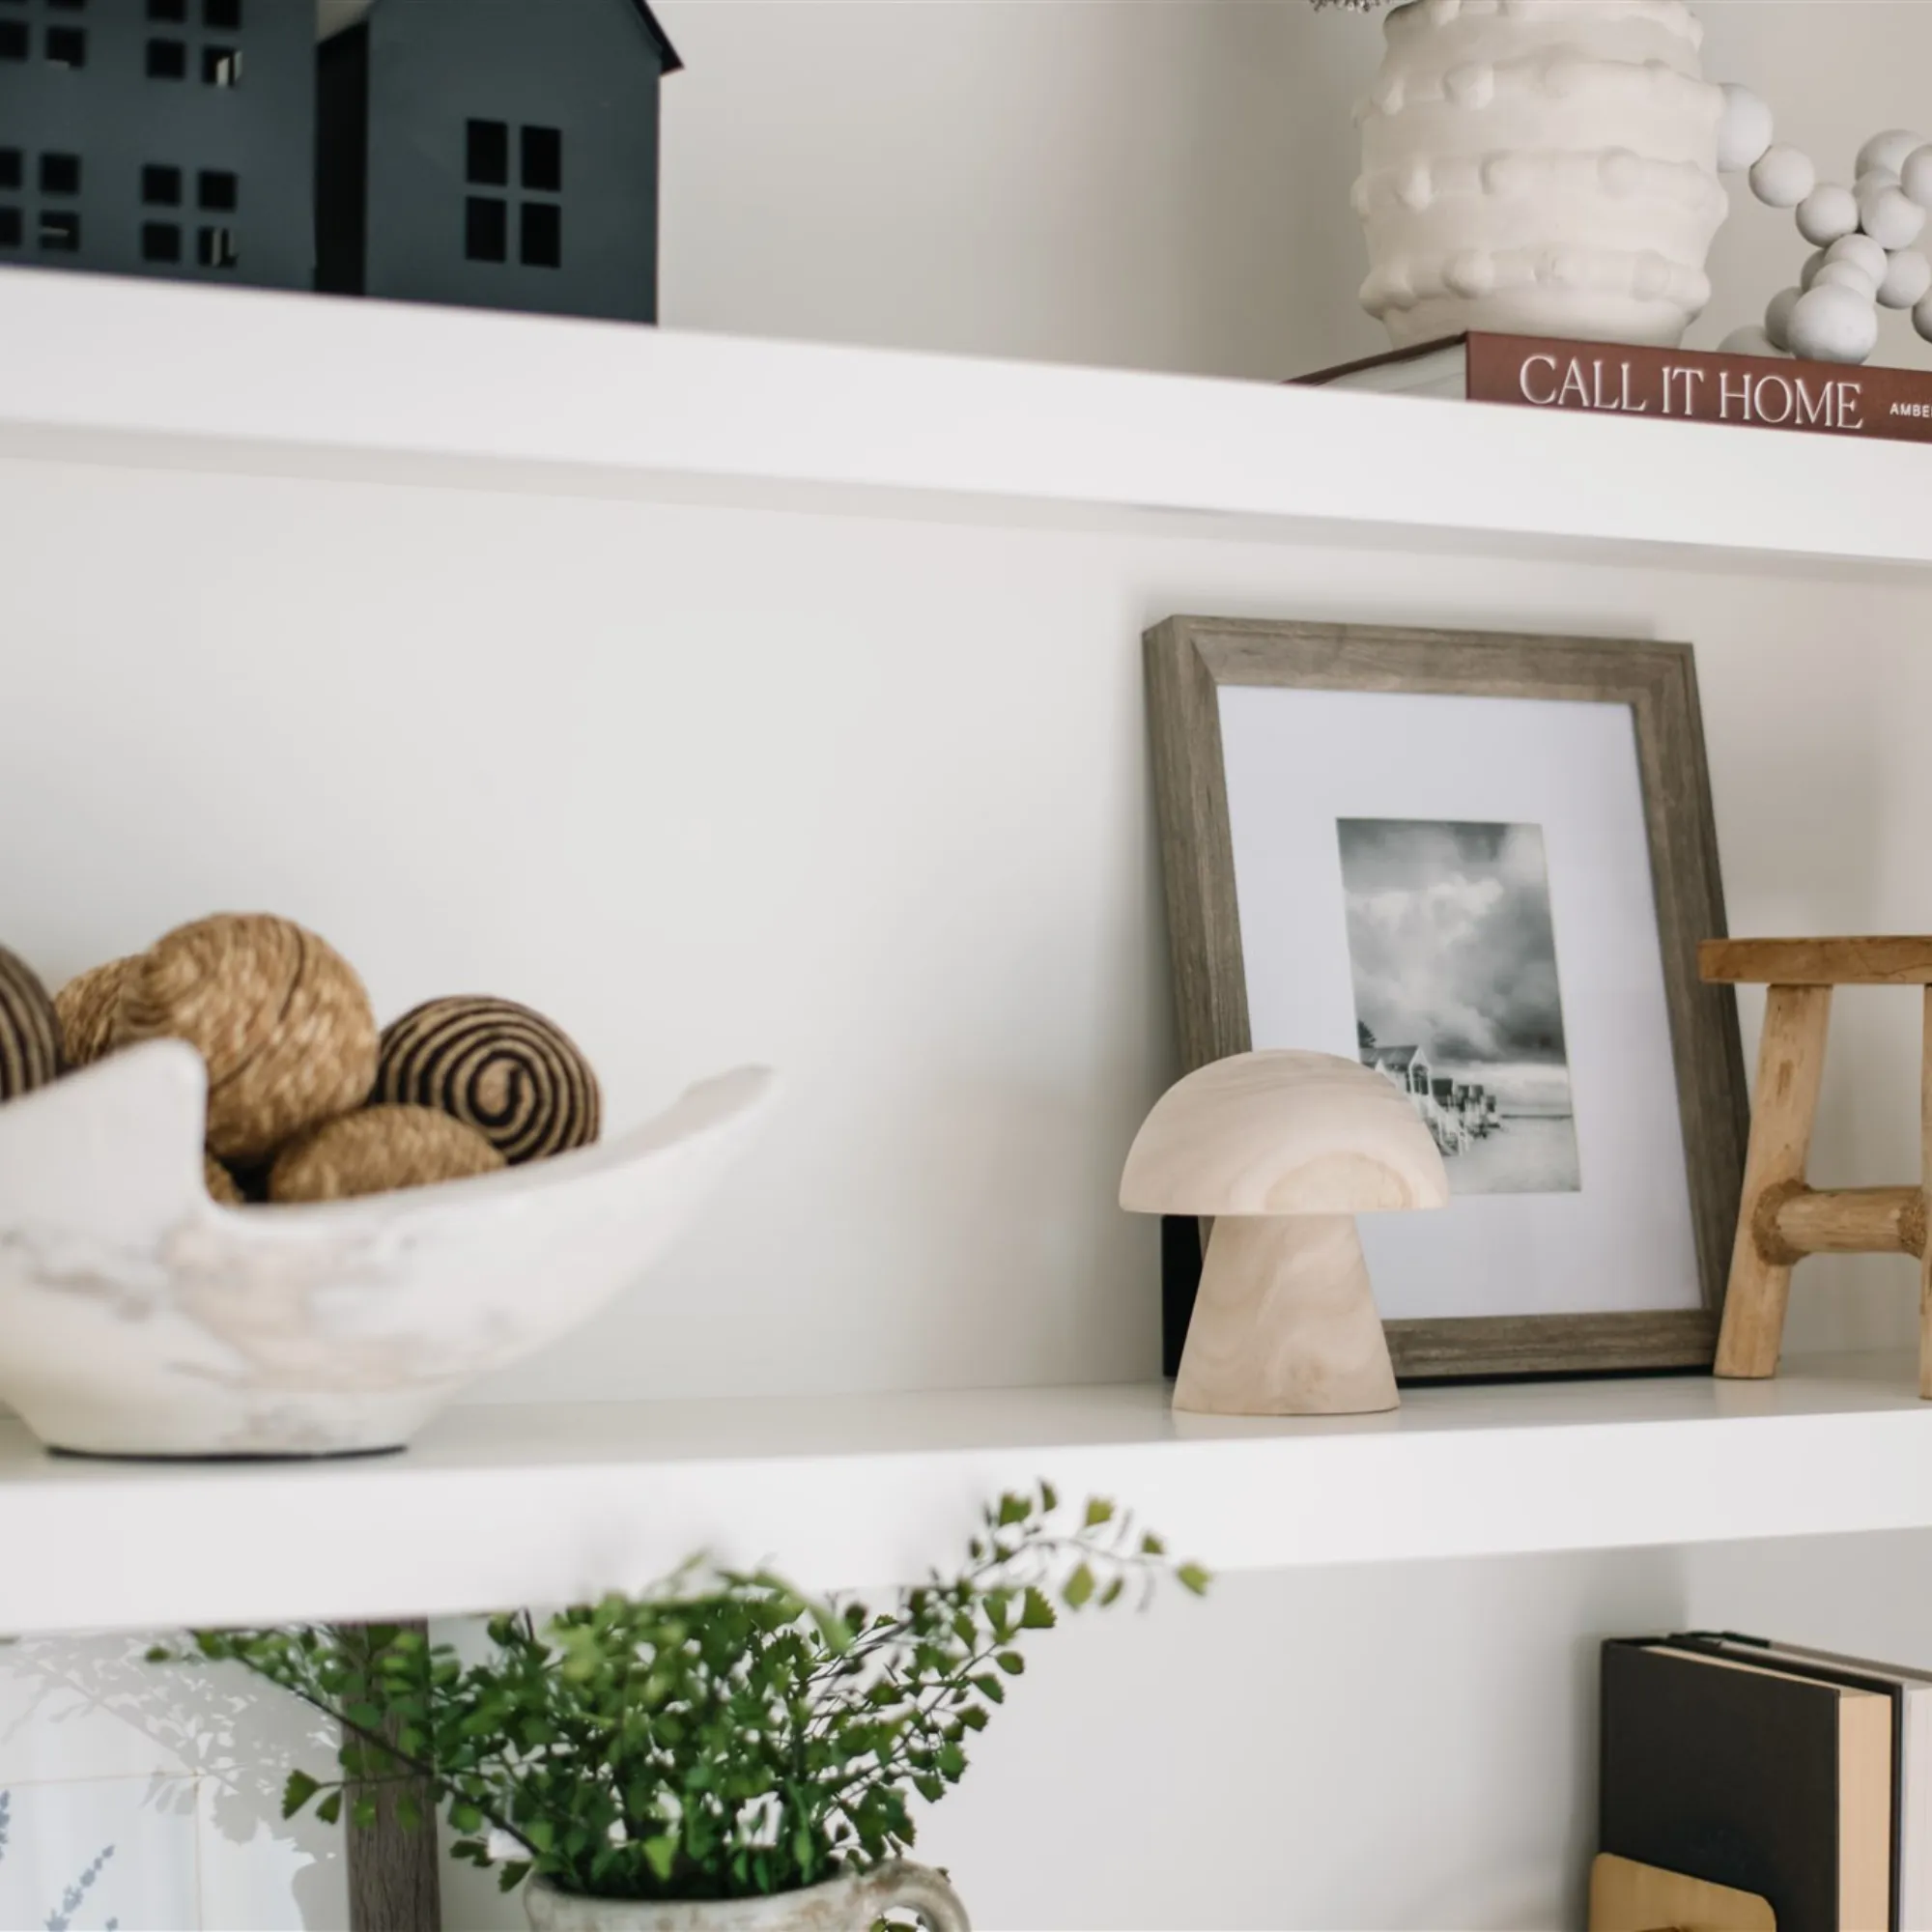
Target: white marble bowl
139,1319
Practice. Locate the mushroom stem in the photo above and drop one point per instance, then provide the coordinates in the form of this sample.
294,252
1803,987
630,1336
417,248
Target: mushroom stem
1285,1323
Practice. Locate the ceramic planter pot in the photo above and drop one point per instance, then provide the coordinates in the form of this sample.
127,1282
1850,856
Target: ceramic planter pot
1540,167
139,1319
845,1905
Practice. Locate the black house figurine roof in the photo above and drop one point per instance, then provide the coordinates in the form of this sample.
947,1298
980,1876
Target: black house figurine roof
499,154
161,137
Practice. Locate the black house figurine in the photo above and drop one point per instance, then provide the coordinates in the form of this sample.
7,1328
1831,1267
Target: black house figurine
160,137
496,154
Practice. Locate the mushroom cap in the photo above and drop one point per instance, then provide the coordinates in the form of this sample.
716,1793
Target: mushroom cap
1282,1133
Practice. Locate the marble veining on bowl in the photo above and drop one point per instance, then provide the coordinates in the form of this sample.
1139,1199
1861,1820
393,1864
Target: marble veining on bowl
138,1317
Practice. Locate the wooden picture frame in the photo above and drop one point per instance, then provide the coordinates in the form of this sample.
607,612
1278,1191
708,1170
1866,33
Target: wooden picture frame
1192,661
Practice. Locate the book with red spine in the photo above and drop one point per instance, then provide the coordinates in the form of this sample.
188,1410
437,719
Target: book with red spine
1668,385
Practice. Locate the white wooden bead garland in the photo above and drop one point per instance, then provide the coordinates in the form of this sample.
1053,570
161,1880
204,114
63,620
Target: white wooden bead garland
1866,237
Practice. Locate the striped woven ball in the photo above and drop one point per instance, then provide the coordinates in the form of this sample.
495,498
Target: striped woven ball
496,1066
87,1006
223,1189
278,1014
29,1032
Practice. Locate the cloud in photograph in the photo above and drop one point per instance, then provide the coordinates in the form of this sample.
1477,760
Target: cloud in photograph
1450,939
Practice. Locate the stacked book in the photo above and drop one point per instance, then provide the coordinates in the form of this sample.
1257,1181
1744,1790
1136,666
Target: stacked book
1791,1786
1619,379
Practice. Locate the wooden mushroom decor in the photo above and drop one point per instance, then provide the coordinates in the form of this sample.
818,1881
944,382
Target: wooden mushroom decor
1283,1150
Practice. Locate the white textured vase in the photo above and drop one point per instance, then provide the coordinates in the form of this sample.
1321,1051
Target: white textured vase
1540,167
845,1905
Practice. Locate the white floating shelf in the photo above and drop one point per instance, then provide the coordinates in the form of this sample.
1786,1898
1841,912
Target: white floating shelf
169,374
509,1505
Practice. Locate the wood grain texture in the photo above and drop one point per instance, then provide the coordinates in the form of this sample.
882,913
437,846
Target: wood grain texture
1894,961
1628,1896
1196,849
1190,659
1282,1132
1791,1061
1285,1147
1551,1345
394,1873
1841,1221
1286,1323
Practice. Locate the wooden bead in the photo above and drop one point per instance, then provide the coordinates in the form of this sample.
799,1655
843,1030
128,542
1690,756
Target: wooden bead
87,1007
1744,130
1834,324
1908,277
223,1189
1862,253
1782,177
496,1066
278,1015
1842,274
377,1150
1889,150
1891,218
29,1032
1915,175
1826,213
1777,318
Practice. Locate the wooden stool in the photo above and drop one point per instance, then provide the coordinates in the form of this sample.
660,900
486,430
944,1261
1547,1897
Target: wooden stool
1781,1219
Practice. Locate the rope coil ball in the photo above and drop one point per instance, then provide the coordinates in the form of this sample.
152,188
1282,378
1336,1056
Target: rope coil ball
496,1066
375,1151
307,1100
223,1189
86,1006
278,1015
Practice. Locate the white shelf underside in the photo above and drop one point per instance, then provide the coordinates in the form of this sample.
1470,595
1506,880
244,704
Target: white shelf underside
174,376
498,1506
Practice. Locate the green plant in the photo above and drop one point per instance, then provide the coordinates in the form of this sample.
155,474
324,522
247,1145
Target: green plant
723,1736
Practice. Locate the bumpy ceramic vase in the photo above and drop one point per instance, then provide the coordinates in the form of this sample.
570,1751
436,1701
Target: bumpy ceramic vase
845,1905
1540,167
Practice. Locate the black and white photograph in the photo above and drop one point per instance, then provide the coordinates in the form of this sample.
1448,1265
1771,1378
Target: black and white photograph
1458,1001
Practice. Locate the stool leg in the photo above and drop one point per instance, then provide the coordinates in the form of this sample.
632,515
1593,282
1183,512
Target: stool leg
1925,1185
1790,1061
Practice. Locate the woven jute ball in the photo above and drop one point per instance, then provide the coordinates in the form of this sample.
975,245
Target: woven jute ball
377,1150
29,1032
513,1075
87,1006
223,1189
279,1016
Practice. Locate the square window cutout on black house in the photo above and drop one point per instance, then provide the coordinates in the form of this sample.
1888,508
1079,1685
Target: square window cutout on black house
500,155
160,137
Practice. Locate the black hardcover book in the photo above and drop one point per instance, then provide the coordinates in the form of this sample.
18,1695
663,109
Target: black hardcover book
1831,1668
1752,1777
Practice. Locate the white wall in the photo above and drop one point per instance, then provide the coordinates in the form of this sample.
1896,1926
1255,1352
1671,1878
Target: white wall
1155,184
867,800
